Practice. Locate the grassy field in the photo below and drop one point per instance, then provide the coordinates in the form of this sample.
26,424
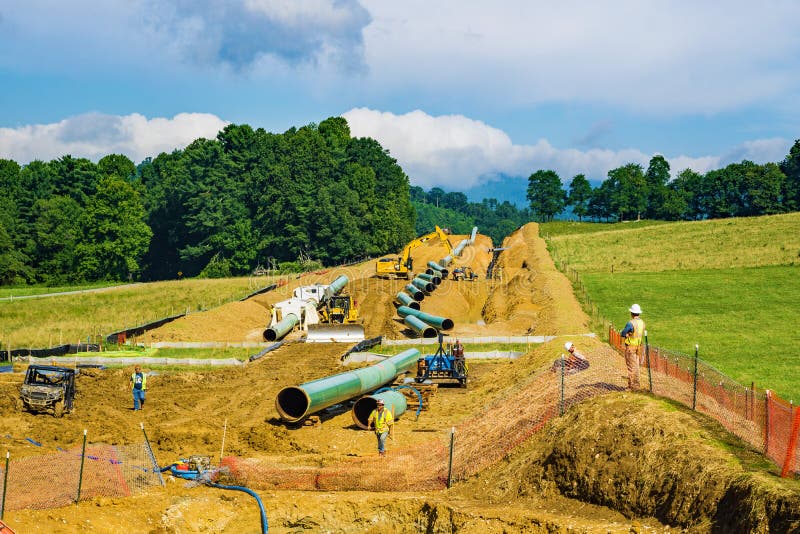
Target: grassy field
10,292
69,318
729,286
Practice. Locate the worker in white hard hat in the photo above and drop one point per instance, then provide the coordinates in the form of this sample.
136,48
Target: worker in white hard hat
632,336
573,362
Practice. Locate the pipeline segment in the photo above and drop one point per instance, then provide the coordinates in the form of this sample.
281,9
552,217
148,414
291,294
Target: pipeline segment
297,402
394,401
281,328
435,279
336,286
441,323
421,328
424,285
444,262
473,234
460,247
404,299
436,268
415,293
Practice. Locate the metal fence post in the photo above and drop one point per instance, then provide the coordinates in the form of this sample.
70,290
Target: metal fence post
647,358
83,459
694,382
156,467
450,466
5,487
767,396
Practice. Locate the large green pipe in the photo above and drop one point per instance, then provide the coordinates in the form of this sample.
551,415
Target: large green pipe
415,292
404,299
336,286
297,402
435,278
393,400
441,323
422,329
435,268
423,284
281,328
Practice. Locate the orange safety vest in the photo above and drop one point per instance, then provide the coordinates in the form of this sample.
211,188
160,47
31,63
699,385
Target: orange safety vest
634,339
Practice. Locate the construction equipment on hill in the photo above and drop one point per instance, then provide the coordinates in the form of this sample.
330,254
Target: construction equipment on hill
464,273
47,388
402,266
320,310
448,363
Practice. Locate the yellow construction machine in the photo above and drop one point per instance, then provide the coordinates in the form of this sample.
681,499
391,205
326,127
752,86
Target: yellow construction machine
402,266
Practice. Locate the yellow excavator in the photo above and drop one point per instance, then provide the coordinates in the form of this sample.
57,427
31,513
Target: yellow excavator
402,266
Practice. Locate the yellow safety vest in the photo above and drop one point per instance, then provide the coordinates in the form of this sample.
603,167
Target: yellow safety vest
635,338
144,380
382,420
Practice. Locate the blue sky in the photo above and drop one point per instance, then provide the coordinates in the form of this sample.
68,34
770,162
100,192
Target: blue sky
460,92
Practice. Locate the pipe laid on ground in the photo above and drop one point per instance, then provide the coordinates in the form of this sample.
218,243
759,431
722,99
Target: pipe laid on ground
336,286
424,285
297,402
281,328
404,299
436,279
421,328
473,234
460,247
444,262
415,293
436,268
441,323
394,401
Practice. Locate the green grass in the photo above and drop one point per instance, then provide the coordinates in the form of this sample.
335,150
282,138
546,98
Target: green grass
729,286
239,353
45,322
24,291
468,347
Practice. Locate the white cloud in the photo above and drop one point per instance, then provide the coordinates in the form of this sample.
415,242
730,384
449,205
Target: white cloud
458,153
95,135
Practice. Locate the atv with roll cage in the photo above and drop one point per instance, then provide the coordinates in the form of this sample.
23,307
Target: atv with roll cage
48,388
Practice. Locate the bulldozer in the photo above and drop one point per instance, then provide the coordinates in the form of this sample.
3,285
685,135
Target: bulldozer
338,321
403,265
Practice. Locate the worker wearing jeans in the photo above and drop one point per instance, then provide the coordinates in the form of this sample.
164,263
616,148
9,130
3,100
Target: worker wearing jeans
632,335
383,421
138,386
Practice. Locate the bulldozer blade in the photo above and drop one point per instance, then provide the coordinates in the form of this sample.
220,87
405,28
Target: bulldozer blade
335,333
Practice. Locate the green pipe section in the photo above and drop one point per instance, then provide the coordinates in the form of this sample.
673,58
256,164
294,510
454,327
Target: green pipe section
297,402
441,323
404,299
336,286
436,279
415,292
422,329
394,401
436,267
424,285
281,328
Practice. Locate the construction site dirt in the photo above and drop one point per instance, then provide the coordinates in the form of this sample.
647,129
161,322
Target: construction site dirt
609,460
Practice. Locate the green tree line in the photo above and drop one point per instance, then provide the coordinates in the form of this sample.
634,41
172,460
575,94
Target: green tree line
218,207
631,192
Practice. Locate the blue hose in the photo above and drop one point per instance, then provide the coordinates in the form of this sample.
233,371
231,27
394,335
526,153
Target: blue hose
264,526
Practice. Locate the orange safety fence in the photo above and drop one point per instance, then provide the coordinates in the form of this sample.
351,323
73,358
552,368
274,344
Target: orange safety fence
761,418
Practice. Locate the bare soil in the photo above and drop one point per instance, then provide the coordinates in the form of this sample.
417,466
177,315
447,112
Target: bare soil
622,462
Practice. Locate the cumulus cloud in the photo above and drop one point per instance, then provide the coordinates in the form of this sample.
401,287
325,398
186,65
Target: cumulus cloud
458,153
242,33
94,135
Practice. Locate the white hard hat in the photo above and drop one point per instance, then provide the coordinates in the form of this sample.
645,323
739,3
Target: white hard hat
636,309
568,345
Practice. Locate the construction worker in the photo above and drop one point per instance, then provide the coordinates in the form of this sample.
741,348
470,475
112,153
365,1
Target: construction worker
573,363
138,387
632,335
383,421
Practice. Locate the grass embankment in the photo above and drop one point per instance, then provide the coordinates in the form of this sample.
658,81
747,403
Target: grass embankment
729,286
468,347
45,322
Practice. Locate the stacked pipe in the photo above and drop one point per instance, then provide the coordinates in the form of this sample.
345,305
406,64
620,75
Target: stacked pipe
423,284
437,270
431,278
404,299
440,323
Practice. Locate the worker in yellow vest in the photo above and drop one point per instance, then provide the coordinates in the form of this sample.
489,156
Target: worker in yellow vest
383,421
632,336
138,386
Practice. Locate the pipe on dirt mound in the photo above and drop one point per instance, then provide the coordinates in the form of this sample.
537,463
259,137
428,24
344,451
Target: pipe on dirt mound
434,278
281,328
404,299
473,234
394,401
421,328
444,262
297,402
415,293
424,285
437,268
336,286
460,247
440,323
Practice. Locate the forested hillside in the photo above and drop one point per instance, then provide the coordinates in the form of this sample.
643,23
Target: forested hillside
218,207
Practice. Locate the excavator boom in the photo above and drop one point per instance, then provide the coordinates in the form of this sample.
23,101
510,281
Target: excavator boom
402,265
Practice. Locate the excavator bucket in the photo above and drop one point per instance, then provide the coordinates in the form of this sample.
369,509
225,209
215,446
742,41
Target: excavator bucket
335,333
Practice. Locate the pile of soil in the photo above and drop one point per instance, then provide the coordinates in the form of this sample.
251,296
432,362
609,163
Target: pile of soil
618,463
